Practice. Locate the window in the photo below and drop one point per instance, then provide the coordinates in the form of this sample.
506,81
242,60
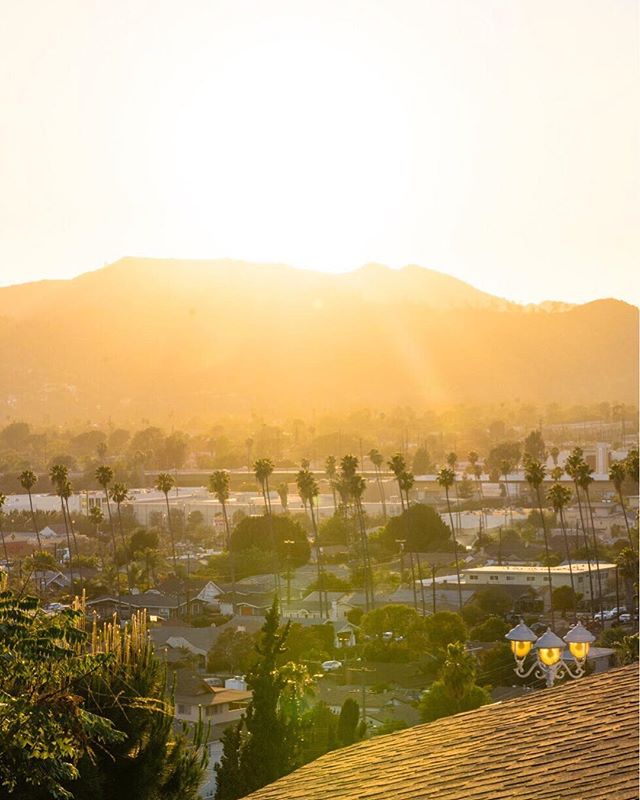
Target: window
183,709
510,578
530,578
473,577
493,577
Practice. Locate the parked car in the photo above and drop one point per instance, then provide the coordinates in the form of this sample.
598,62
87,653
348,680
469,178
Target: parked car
331,666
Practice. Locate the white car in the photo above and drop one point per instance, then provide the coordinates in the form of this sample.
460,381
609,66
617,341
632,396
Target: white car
331,666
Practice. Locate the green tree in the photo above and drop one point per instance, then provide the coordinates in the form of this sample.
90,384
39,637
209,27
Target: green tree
493,600
495,666
421,526
627,563
534,446
331,471
492,629
45,726
456,689
233,651
398,466
585,479
559,497
256,532
120,494
348,722
268,742
263,469
564,599
283,494
421,461
443,628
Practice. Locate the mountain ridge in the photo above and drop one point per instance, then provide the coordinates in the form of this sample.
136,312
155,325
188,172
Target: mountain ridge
152,337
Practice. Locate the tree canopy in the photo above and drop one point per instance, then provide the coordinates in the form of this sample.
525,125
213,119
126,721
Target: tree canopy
254,532
422,528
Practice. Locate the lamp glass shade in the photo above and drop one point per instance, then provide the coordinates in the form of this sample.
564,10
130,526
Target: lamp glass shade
521,649
579,650
549,655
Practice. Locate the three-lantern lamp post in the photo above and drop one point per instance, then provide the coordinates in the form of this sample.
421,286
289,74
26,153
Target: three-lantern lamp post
549,662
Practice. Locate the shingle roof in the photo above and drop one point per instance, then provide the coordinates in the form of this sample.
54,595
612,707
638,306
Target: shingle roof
573,742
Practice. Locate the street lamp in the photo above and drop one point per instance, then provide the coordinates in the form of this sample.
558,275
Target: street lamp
548,648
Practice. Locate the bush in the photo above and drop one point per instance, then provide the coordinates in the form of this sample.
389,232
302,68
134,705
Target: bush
492,629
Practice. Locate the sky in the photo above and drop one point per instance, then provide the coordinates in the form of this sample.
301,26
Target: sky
495,140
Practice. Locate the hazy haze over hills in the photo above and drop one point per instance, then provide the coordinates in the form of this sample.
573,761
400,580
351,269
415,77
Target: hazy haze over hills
145,338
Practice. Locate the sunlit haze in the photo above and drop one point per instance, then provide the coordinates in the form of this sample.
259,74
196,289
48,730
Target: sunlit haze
494,141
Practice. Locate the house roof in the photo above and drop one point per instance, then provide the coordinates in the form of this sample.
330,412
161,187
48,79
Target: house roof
575,741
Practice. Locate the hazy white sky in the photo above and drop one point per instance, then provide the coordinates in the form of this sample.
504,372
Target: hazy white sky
498,140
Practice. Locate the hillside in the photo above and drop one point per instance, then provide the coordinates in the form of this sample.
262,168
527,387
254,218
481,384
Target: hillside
147,338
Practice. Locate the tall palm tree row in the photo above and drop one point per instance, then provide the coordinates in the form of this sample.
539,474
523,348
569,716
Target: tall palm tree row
572,468
534,473
165,483
559,497
219,486
308,490
263,469
28,480
446,478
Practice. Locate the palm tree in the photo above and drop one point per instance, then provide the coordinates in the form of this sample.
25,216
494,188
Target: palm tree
406,482
617,474
377,460
357,486
398,466
446,478
505,469
97,517
627,565
554,453
534,472
219,486
308,490
3,500
331,471
572,468
452,461
58,474
584,480
66,492
283,494
165,483
263,469
477,474
104,477
559,497
28,480
120,494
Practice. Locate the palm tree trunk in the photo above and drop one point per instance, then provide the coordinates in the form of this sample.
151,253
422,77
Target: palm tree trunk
586,545
272,538
546,550
75,544
35,523
232,562
4,543
113,541
318,560
568,553
124,548
66,528
401,495
368,575
626,521
595,553
413,580
424,609
455,548
170,527
381,490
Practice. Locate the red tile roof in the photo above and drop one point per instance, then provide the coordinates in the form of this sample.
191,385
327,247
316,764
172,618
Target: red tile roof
577,741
